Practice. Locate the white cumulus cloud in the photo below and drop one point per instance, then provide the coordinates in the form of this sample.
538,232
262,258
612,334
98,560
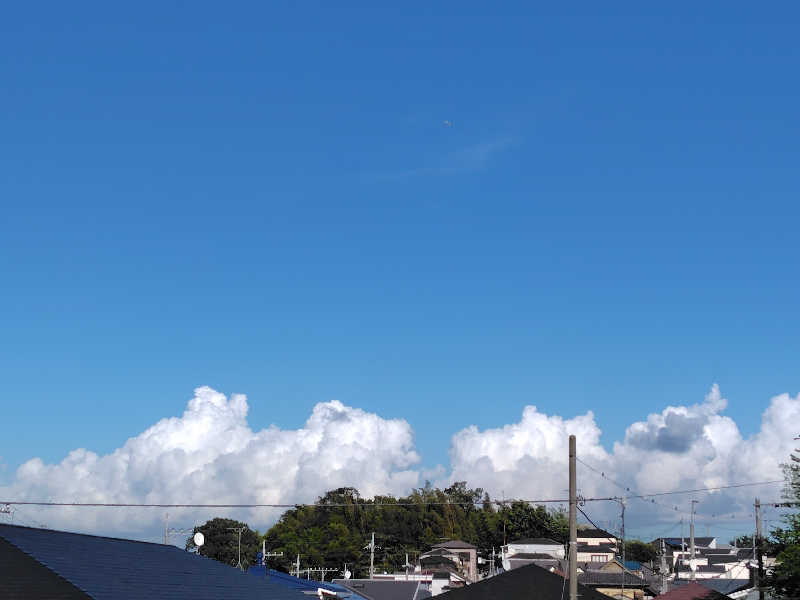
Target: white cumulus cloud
681,447
211,456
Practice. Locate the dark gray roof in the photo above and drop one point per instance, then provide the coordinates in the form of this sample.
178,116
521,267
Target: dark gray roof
456,545
594,533
613,578
384,589
718,559
21,576
538,541
526,583
723,586
701,568
116,569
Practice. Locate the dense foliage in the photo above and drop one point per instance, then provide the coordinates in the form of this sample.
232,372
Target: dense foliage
222,542
640,551
784,581
337,529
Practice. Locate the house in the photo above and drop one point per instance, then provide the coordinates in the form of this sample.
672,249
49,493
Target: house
529,550
526,583
596,545
617,584
385,589
443,556
594,537
693,591
735,588
39,564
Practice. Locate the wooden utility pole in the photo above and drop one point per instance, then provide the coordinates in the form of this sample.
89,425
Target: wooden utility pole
573,527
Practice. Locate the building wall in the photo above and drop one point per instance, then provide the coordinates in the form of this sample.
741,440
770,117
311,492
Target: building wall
554,550
630,593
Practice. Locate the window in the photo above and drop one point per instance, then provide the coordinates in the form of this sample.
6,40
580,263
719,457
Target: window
599,558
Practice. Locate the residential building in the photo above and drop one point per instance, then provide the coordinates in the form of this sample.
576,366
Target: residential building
452,554
526,583
596,545
693,591
541,551
385,589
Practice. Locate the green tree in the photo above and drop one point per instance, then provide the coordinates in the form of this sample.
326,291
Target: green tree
639,551
742,541
336,530
784,580
222,541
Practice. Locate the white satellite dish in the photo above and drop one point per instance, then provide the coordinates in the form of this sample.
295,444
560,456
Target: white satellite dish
347,574
199,539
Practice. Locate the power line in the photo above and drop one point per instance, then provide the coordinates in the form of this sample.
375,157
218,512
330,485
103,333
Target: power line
588,518
708,489
389,504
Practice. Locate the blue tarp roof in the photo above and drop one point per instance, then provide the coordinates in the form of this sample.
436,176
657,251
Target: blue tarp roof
117,569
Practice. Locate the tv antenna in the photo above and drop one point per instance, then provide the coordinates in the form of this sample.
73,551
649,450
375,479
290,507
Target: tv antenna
239,560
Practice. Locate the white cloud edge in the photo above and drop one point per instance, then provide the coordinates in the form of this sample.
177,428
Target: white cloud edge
211,455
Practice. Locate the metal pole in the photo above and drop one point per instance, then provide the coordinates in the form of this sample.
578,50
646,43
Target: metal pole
624,568
759,554
692,565
573,528
372,557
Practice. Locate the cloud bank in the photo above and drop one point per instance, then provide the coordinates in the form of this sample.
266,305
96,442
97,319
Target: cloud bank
211,455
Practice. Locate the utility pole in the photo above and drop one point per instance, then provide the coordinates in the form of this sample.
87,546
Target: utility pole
663,568
692,564
683,548
759,554
622,534
573,528
166,529
297,567
371,547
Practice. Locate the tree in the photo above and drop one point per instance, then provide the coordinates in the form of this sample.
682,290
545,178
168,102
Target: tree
742,541
222,541
639,551
784,580
337,528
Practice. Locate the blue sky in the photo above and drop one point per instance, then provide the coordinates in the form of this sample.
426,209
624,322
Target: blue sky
267,199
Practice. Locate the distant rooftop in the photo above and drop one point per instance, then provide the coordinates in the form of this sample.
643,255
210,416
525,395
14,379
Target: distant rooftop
456,545
594,533
537,541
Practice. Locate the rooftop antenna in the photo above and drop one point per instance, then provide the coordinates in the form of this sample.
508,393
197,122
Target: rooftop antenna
239,530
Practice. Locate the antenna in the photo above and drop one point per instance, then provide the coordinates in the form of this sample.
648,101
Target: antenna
240,530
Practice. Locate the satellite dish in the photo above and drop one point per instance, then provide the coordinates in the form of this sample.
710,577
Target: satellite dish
347,574
199,539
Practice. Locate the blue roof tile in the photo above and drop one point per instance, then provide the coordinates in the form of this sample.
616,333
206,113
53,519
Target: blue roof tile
117,569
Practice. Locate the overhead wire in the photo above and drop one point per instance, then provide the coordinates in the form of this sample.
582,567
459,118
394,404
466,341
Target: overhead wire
377,504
